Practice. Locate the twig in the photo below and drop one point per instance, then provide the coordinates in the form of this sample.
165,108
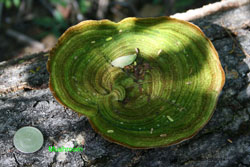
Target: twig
210,9
23,38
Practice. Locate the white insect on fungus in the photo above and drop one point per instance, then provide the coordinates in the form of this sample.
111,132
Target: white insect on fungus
124,61
110,131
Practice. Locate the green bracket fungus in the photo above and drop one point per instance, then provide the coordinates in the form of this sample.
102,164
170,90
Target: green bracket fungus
142,82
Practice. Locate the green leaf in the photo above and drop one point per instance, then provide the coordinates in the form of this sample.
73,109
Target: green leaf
16,3
58,16
84,6
8,4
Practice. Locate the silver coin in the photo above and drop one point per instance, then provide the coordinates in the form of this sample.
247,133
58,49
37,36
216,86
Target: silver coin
28,139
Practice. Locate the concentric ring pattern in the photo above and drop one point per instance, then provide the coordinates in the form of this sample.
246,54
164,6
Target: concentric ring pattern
166,96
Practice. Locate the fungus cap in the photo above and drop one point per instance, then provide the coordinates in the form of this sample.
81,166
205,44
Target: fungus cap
163,96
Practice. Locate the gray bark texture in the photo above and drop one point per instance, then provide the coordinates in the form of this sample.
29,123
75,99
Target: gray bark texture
25,100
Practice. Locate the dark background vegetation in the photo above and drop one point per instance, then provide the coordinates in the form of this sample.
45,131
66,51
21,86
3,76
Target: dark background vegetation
43,21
